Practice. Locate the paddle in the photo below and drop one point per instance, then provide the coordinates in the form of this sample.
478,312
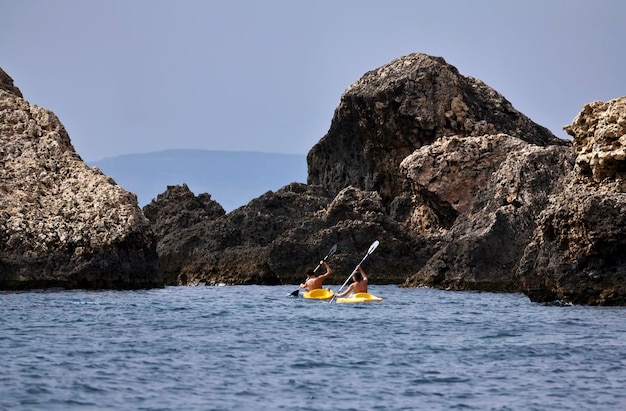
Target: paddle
330,254
370,251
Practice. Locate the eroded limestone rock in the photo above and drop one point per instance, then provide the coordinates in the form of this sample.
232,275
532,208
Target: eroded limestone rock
63,224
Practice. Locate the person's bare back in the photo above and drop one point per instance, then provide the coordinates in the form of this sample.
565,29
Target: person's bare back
313,282
359,285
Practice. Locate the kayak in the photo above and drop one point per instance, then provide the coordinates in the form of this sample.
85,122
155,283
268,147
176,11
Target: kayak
319,294
359,298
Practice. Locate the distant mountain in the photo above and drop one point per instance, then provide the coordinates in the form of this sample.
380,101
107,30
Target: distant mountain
232,178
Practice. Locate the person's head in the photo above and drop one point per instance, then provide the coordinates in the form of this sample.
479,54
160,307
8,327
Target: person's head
358,276
310,273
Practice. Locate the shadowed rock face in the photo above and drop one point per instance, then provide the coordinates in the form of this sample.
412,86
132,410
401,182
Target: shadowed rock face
63,224
276,237
577,251
400,107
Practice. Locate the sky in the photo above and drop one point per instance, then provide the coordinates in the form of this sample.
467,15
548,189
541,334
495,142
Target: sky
138,76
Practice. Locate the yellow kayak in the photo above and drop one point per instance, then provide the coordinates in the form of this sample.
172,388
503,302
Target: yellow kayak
319,294
359,298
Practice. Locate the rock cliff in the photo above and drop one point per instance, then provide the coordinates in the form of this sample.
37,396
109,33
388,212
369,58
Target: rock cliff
276,237
576,253
499,185
63,224
438,166
406,104
463,191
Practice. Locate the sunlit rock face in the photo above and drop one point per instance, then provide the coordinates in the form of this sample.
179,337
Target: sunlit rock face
599,133
399,107
499,185
577,251
63,224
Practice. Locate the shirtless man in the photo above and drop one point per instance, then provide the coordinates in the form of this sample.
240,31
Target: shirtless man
359,285
314,282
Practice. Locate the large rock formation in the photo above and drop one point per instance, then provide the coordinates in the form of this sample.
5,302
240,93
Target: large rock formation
211,248
577,251
499,185
599,133
401,106
463,191
274,238
358,192
63,224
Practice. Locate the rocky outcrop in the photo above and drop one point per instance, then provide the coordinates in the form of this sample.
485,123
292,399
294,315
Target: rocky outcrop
499,185
6,84
357,191
577,251
599,133
463,191
63,224
232,248
274,238
454,163
406,104
179,207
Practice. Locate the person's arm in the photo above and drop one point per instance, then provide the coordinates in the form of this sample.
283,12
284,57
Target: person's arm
347,291
362,272
328,270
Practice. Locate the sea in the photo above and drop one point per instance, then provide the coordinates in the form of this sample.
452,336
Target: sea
259,348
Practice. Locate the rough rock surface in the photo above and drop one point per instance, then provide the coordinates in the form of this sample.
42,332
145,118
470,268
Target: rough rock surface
599,133
63,224
577,251
499,185
357,191
232,248
394,110
274,238
463,191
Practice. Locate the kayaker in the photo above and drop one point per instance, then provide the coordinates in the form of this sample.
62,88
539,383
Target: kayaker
359,285
313,281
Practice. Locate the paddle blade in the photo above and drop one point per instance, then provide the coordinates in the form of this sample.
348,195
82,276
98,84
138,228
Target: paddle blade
330,254
373,247
295,293
332,251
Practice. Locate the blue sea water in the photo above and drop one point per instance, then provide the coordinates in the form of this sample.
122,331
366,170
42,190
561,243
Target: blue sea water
257,348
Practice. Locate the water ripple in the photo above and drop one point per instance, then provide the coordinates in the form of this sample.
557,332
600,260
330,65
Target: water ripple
234,348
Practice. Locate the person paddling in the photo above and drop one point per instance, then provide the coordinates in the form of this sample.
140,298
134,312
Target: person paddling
360,283
313,281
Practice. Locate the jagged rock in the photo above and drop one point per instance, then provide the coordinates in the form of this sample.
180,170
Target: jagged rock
176,210
577,251
63,224
6,84
462,190
499,185
274,238
599,133
357,191
394,110
231,248
179,207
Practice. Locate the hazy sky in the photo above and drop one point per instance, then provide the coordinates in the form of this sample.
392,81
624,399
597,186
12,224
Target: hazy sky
134,76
